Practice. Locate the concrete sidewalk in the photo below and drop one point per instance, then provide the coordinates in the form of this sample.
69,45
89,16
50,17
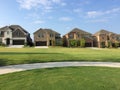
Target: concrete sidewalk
23,67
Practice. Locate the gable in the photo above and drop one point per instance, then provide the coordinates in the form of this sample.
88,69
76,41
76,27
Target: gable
18,33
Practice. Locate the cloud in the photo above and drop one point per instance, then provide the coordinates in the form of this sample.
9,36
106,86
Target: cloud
38,22
98,21
94,14
114,10
65,19
77,10
29,4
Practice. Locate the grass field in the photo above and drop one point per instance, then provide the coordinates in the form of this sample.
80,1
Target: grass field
72,78
10,56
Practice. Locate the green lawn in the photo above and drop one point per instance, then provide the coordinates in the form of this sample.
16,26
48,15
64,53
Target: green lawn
33,55
72,78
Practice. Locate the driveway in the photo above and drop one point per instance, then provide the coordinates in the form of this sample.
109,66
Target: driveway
23,67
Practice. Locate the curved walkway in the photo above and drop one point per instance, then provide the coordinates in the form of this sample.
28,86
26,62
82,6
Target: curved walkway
23,67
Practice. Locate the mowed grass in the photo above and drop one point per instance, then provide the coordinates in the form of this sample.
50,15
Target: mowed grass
72,78
10,56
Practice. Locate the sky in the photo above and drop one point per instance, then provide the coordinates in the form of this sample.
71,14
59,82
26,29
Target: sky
61,15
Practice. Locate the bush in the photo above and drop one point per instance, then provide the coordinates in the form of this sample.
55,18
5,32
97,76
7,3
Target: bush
82,43
73,43
116,44
2,44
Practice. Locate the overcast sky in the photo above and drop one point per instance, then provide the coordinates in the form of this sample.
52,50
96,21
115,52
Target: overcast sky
61,15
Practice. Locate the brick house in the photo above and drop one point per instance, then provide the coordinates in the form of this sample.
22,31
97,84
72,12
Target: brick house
14,35
78,34
46,37
103,37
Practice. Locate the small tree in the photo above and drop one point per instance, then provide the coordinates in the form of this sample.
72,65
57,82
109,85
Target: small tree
109,44
116,44
82,42
73,43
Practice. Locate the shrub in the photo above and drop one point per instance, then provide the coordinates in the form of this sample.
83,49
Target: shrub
82,43
73,43
116,44
2,44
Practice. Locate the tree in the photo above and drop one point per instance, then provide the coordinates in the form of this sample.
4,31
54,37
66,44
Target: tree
116,44
82,42
73,43
109,44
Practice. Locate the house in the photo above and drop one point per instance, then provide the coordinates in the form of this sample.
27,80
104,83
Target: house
78,34
14,35
46,37
106,38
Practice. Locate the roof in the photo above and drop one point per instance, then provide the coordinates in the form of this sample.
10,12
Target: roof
46,30
4,28
102,31
13,28
77,30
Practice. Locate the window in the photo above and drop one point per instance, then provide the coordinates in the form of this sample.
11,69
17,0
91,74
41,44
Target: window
78,35
71,36
7,32
1,32
103,38
41,35
108,38
18,33
51,35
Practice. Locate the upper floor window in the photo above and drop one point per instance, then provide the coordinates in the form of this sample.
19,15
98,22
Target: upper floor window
78,35
7,32
71,36
18,33
108,38
41,35
51,35
103,38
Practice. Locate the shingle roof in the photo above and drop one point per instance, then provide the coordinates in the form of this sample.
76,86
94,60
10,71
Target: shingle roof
102,31
77,30
13,28
47,30
4,28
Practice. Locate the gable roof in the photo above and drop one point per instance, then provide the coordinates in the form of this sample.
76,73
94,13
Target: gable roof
13,28
77,30
47,30
102,31
4,28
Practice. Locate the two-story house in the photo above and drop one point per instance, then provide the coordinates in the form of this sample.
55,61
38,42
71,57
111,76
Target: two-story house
46,37
104,37
78,34
14,35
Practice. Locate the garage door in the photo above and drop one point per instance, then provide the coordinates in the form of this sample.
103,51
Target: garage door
18,42
41,43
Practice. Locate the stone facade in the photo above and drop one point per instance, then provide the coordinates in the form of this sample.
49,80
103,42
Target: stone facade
78,34
14,35
106,38
46,37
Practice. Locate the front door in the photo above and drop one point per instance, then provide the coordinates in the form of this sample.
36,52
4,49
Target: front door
8,41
